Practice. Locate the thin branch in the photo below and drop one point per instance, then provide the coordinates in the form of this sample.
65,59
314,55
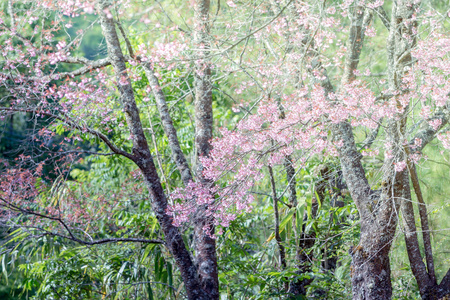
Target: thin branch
125,37
383,16
427,133
423,217
69,231
89,65
277,220
169,129
259,29
371,137
108,240
74,125
158,156
81,151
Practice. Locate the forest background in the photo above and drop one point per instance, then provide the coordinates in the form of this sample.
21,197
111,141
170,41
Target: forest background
107,193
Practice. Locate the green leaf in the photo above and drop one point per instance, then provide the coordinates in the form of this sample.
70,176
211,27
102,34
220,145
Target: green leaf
283,223
309,207
340,273
299,217
5,272
121,269
149,290
319,201
147,250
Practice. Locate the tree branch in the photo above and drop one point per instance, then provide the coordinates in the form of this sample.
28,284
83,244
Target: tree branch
412,245
169,129
277,220
89,65
371,137
69,231
423,217
427,133
383,16
74,125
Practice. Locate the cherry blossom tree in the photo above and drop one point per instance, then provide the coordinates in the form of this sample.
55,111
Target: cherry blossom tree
307,78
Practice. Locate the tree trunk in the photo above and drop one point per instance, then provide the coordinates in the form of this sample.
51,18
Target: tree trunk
205,245
370,258
371,273
142,157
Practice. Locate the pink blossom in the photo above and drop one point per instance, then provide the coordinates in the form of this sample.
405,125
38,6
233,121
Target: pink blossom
400,166
231,4
331,10
435,123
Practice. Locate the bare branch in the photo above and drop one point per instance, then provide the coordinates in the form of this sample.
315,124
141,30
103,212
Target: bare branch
277,220
89,66
423,217
371,137
81,151
259,28
383,16
73,125
169,129
125,37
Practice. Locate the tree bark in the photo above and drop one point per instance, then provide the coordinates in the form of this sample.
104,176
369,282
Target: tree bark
170,131
205,245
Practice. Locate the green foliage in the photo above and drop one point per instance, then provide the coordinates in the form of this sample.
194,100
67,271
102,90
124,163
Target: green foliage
55,268
43,267
249,260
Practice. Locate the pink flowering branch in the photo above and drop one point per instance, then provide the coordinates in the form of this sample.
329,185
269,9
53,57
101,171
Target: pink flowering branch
88,67
427,133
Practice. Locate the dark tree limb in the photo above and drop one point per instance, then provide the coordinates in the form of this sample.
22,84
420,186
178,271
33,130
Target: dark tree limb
423,218
74,125
277,220
277,224
71,235
412,244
